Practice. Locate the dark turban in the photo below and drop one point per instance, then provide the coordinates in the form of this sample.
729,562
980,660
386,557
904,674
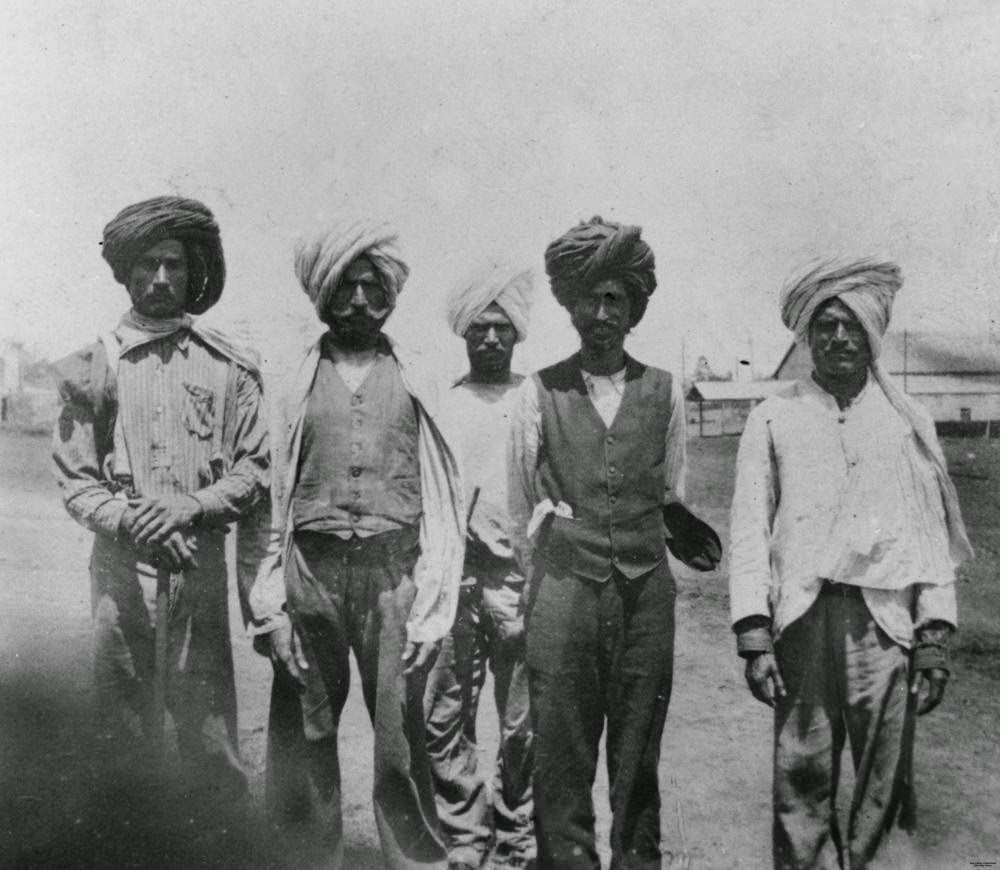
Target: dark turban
138,227
598,250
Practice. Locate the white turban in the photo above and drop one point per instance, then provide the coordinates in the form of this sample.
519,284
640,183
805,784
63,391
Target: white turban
509,286
321,259
867,287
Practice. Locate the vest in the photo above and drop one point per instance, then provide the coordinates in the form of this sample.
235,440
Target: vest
612,477
359,472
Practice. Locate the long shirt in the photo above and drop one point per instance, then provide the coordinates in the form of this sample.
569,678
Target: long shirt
529,505
824,494
477,417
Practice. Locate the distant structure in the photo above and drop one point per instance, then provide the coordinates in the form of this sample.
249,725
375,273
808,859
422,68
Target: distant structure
28,398
722,407
956,377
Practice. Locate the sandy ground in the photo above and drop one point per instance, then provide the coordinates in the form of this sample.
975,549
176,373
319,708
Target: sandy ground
57,811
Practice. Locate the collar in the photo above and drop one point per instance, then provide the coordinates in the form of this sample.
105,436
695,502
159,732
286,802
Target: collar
814,392
134,330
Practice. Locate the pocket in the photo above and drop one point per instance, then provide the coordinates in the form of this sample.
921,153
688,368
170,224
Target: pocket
198,413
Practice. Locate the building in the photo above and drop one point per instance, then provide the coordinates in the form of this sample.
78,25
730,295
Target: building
28,398
722,407
956,377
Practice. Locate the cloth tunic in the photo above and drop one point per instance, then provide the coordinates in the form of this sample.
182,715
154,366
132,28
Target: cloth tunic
820,494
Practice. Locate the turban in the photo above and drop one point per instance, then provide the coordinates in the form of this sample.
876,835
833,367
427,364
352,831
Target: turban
867,287
321,259
510,287
138,227
597,250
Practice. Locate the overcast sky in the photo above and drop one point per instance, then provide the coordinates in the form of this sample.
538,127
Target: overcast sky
746,138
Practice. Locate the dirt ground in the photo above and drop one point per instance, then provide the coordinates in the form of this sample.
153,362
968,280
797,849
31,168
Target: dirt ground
56,809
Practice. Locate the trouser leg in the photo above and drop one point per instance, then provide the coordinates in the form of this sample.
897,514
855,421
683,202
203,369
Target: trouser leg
405,813
880,717
567,718
808,740
512,797
639,615
451,705
286,787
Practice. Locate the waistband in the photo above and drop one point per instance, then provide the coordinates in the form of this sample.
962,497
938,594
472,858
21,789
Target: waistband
840,590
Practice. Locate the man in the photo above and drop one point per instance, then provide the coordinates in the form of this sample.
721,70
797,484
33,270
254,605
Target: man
161,443
372,532
846,532
598,459
489,312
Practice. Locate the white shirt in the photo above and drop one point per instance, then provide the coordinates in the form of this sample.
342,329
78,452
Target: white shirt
823,493
476,419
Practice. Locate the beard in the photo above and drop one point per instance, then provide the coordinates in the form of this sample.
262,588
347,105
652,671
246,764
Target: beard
357,330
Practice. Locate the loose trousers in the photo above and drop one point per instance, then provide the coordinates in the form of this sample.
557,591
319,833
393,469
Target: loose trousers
845,679
599,652
355,595
199,682
488,632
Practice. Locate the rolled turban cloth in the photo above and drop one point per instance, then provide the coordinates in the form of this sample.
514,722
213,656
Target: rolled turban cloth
510,287
597,250
321,259
138,227
867,287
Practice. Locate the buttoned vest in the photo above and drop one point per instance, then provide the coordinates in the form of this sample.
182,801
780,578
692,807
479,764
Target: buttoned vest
358,471
611,476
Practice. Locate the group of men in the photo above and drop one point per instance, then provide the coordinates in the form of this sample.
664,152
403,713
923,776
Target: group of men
506,523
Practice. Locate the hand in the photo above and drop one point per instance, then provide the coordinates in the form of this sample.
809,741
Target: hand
762,671
285,650
178,552
936,679
154,520
419,656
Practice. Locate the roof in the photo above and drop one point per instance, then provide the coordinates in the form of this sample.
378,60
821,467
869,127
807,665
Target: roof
722,391
919,385
937,353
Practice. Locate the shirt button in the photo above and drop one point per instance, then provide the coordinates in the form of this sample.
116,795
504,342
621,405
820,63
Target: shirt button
355,448
355,472
356,422
355,400
355,518
356,495
610,439
614,499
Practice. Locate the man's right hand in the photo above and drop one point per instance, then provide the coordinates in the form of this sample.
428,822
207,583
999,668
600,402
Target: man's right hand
764,678
285,650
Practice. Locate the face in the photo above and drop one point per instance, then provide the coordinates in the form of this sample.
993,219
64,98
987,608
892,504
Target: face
158,280
601,314
838,342
358,306
490,340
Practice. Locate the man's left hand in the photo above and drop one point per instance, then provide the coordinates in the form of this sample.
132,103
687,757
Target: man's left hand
153,520
935,679
418,657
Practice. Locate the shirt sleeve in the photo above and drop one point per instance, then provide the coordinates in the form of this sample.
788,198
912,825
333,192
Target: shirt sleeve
245,482
87,495
523,447
675,466
936,604
752,514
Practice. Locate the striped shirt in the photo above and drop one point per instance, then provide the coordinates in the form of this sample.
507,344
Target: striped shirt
188,420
